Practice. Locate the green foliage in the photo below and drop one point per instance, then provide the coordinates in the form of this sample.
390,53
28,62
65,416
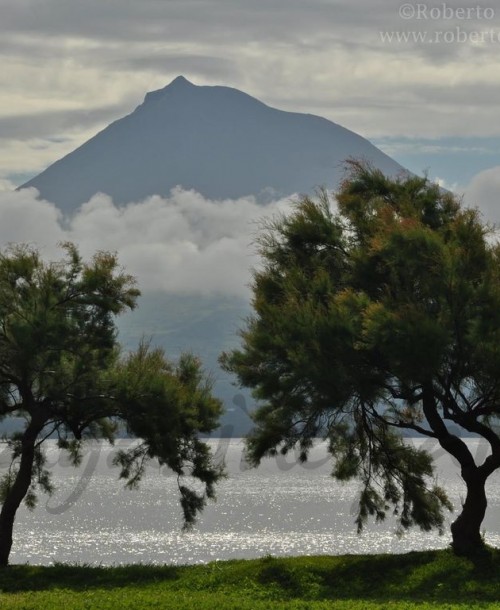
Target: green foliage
167,406
62,371
380,316
436,580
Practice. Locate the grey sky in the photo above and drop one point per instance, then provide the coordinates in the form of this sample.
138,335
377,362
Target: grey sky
70,67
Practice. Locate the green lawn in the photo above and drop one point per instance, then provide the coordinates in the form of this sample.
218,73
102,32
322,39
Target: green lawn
434,579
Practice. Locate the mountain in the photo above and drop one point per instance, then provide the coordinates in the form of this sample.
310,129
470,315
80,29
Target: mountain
216,140
224,144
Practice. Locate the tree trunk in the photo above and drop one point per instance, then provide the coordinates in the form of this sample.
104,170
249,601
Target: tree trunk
465,529
18,490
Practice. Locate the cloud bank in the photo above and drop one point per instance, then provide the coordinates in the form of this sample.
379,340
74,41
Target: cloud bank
483,192
183,244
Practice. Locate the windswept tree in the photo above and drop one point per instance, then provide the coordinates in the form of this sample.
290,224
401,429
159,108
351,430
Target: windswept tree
62,371
378,317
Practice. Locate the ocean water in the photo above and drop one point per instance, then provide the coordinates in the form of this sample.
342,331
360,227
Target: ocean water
281,508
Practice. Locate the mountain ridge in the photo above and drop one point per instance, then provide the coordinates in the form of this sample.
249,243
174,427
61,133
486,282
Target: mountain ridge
216,140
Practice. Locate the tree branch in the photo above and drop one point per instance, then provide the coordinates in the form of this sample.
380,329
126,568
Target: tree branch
450,442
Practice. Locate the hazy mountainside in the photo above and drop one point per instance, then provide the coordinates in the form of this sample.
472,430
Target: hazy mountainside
224,144
203,325
216,140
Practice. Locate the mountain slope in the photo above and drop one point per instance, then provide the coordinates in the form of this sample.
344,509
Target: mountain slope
216,140
224,144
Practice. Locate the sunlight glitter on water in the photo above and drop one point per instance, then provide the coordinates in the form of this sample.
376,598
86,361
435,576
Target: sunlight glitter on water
282,508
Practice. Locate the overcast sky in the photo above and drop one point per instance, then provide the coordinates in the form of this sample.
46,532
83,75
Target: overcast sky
432,101
71,67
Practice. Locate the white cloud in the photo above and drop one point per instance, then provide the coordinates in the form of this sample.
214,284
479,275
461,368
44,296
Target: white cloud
181,244
6,185
23,218
483,192
453,187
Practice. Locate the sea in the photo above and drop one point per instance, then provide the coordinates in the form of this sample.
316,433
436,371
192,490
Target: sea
281,508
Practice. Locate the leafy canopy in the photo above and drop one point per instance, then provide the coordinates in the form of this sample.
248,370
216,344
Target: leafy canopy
62,371
375,317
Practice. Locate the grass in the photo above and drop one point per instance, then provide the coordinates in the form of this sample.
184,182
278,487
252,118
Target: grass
434,579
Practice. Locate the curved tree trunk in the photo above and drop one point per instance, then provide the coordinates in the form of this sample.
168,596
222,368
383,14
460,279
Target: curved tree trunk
18,490
466,529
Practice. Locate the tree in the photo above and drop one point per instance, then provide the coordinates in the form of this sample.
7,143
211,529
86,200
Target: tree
380,317
62,371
